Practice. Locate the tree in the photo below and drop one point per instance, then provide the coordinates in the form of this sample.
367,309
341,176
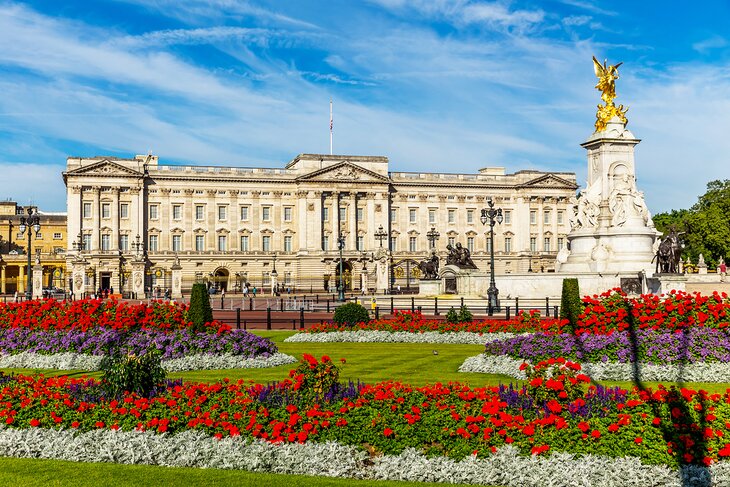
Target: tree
200,311
706,224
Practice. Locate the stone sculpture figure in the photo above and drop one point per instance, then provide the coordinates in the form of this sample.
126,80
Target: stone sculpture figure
453,257
669,253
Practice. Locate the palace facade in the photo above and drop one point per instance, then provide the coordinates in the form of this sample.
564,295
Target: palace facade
235,225
49,244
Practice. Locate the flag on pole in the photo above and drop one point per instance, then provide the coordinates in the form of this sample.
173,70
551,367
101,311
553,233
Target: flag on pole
331,126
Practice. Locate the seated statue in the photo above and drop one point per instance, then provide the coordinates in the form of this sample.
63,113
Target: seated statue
453,257
464,256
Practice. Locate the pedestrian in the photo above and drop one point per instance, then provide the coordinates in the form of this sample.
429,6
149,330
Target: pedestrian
15,297
254,291
398,288
373,305
723,270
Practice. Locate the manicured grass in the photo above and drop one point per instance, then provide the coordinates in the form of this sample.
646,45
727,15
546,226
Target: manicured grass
33,472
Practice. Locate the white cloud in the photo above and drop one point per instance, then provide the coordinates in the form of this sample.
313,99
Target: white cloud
39,184
714,42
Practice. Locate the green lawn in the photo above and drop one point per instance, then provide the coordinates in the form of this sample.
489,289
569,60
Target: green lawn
42,473
370,362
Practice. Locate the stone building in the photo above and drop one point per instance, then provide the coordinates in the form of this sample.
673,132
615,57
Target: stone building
50,243
235,225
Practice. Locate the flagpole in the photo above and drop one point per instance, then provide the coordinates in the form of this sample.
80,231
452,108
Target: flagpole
331,120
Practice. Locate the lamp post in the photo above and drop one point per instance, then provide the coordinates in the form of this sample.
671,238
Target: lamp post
380,235
341,245
432,235
492,215
31,222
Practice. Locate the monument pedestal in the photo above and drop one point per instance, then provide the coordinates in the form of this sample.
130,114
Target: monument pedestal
138,270
37,281
176,280
430,287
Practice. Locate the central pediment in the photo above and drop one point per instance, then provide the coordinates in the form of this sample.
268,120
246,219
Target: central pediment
105,168
344,171
549,181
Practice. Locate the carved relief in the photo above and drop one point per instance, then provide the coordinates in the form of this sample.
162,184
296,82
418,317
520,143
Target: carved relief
345,172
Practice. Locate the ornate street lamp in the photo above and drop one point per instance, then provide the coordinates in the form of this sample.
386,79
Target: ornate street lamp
492,215
32,222
341,246
138,246
381,235
432,236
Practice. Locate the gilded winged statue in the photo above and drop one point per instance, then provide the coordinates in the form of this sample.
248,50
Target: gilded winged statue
607,76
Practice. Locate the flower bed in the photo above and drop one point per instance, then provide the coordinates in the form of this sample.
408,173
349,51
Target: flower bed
371,336
553,413
85,314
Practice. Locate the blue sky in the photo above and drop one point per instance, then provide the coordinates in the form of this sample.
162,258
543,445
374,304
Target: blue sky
441,86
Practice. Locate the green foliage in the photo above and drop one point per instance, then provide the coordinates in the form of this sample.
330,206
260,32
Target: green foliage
200,311
465,315
350,314
571,305
132,373
452,316
706,224
313,378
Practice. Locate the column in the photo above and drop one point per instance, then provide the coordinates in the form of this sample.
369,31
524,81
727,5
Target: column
254,242
21,279
540,226
96,224
211,237
352,224
165,242
302,242
234,216
335,217
115,219
371,227
141,215
74,219
2,280
320,215
189,220
277,219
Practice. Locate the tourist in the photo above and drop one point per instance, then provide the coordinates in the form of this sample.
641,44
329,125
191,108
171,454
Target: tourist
254,291
723,270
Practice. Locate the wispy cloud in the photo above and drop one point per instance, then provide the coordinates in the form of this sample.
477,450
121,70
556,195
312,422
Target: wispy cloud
714,42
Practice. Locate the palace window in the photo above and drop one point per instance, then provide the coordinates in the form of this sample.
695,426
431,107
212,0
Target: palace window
124,243
176,243
177,212
222,243
452,241
199,243
199,212
326,214
106,210
343,213
507,216
560,217
431,216
359,214
266,243
87,241
533,244
561,243
325,242
452,216
546,244
412,244
106,242
266,213
546,217
393,244
533,217
154,212
287,213
244,243
412,215
87,210
222,212
153,243
360,242
470,216
489,244
124,210
57,236
393,214
244,213
287,243
470,244
508,244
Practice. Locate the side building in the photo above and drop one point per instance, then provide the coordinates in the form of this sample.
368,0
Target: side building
235,225
49,245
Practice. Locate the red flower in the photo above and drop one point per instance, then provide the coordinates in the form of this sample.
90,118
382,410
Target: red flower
387,432
35,423
638,440
596,434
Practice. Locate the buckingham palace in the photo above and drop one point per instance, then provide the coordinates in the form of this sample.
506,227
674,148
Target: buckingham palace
138,220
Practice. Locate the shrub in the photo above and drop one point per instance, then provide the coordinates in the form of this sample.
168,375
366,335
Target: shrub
350,314
313,378
571,305
452,316
200,311
465,315
131,373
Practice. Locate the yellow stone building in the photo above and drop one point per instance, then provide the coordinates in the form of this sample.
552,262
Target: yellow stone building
49,244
